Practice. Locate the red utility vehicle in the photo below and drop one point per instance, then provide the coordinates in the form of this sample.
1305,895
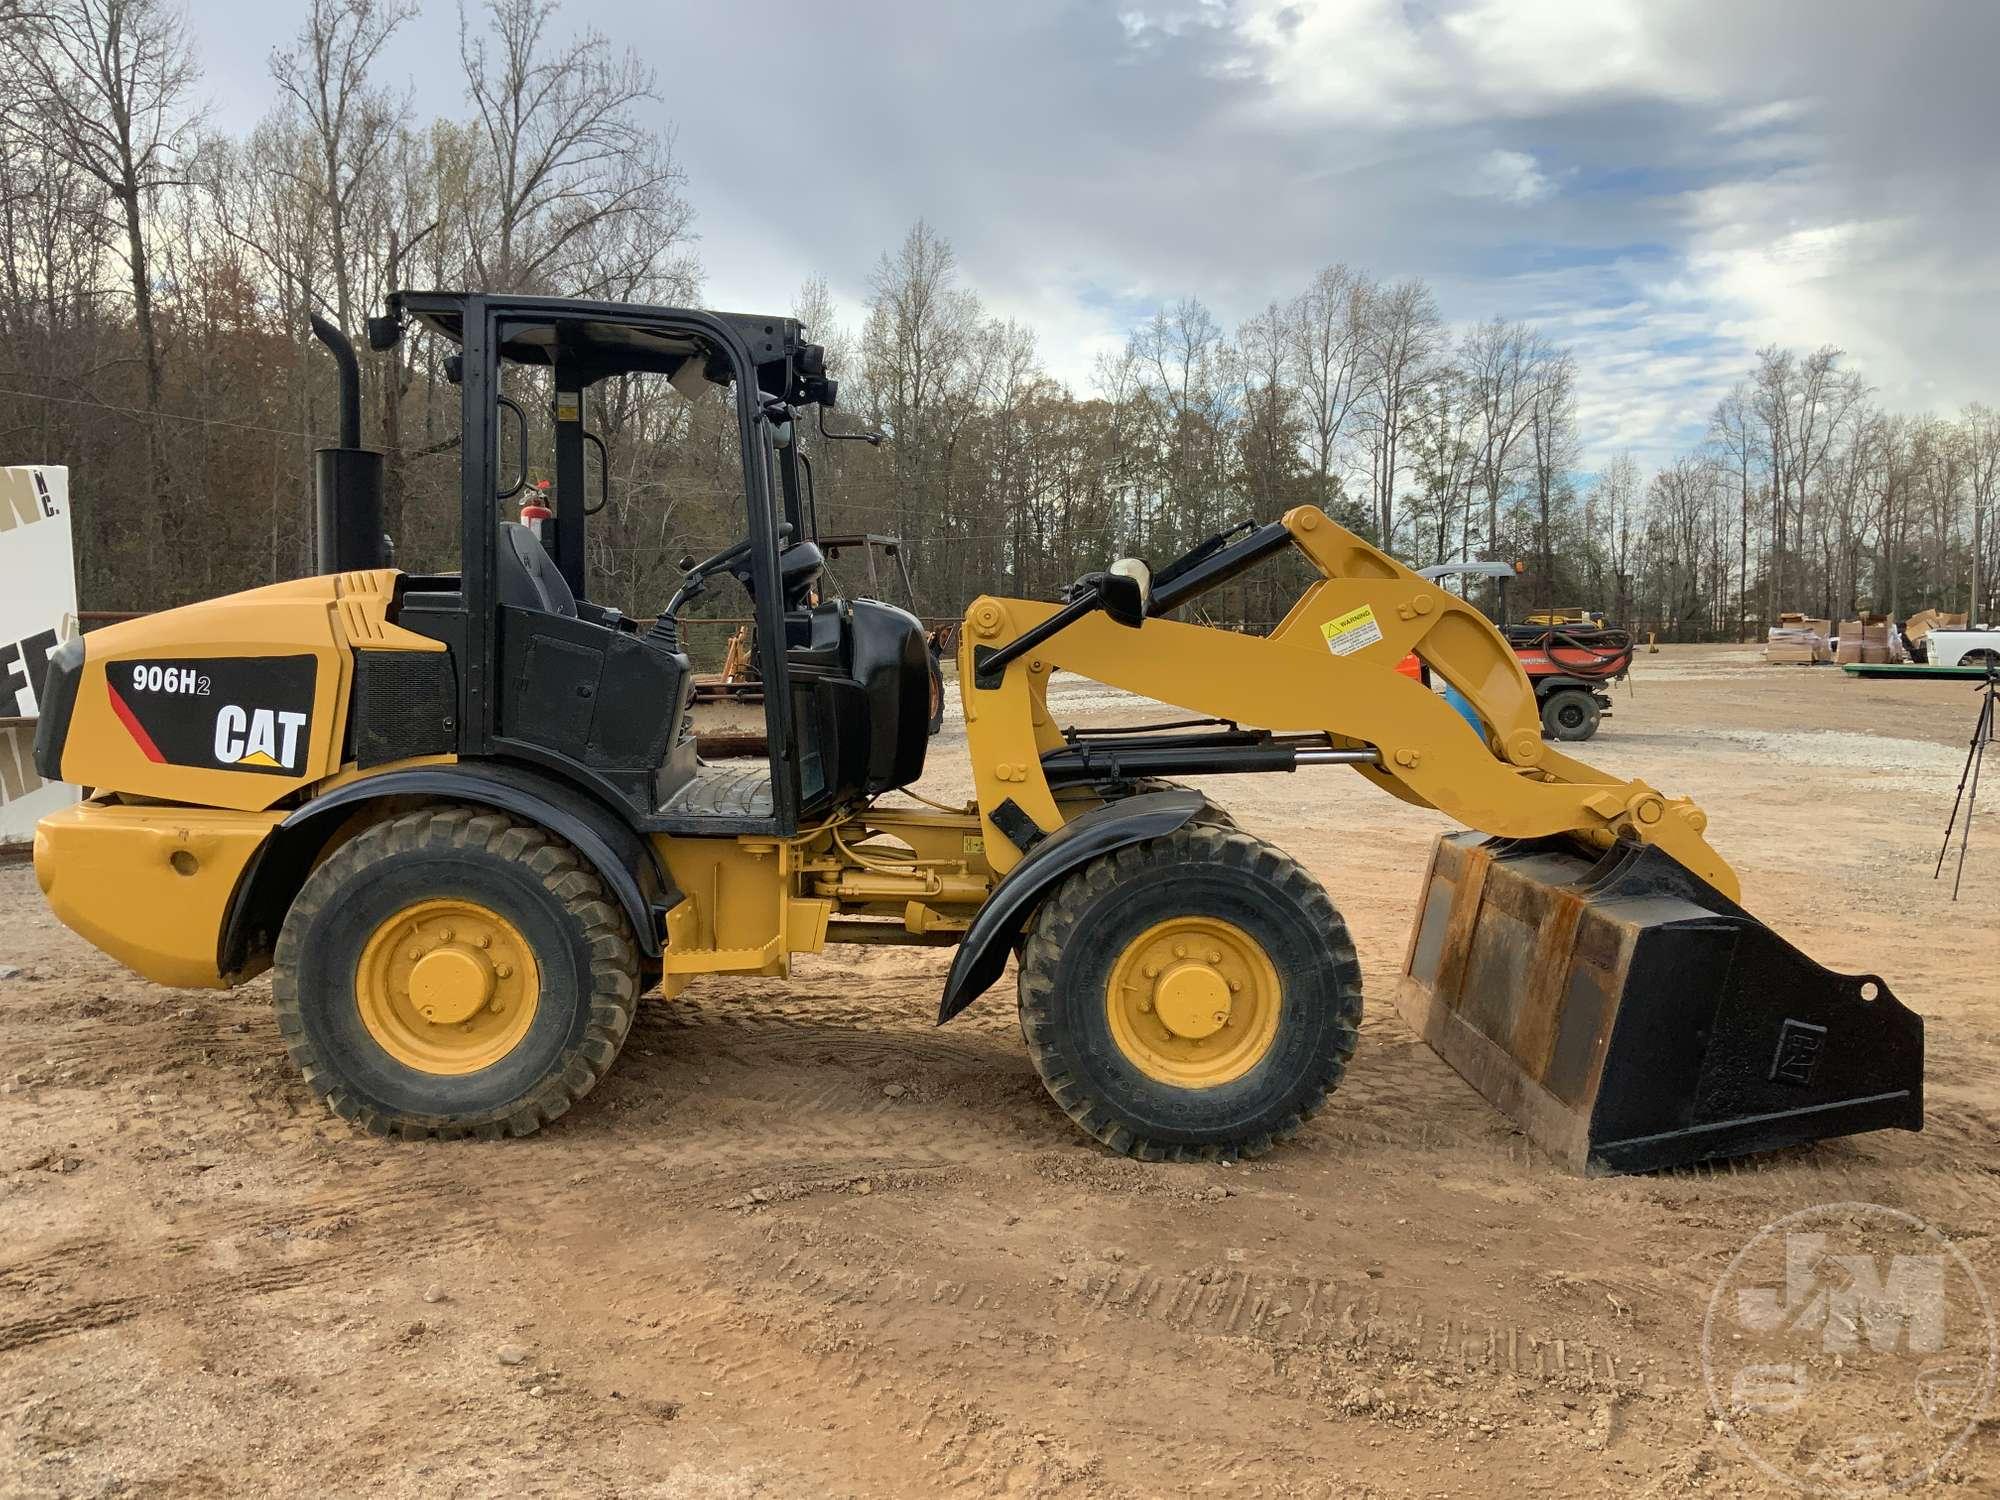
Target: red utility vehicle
1570,665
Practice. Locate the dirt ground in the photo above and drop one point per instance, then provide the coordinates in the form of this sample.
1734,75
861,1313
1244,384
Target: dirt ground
805,1243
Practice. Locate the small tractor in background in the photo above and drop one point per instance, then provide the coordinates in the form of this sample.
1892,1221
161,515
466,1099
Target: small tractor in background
1570,655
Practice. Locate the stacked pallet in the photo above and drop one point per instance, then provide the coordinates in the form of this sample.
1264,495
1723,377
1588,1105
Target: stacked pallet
1796,641
1867,640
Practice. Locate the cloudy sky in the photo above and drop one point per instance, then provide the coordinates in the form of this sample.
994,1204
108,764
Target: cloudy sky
1664,186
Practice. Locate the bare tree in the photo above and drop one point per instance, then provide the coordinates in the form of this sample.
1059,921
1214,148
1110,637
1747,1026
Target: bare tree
1267,352
1009,380
813,306
1981,426
1801,403
111,80
324,79
1327,325
1402,337
1732,429
1184,367
1552,452
108,87
1443,455
1501,364
917,352
1617,499
567,158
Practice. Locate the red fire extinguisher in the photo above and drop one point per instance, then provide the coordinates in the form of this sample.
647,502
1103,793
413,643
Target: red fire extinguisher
534,511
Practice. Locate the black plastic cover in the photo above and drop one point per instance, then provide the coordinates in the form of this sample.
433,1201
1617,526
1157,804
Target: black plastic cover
892,664
55,701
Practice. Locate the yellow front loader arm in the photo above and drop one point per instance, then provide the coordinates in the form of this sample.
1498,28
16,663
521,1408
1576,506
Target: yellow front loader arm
1329,666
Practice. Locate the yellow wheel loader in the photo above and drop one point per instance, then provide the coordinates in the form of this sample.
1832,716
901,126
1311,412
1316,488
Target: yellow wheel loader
462,819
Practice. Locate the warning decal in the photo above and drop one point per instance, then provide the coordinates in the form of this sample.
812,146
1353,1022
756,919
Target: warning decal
1348,633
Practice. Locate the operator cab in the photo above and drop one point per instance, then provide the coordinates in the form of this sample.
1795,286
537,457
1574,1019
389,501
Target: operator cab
558,684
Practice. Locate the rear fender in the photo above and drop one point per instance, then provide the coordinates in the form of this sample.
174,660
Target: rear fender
982,954
623,860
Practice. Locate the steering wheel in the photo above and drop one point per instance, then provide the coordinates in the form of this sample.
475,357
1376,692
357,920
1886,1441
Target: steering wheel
697,574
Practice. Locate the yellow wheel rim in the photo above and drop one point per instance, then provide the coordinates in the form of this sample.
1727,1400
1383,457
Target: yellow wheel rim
447,986
1193,1001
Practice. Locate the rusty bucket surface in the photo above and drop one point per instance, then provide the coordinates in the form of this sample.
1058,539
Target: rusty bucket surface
1628,1016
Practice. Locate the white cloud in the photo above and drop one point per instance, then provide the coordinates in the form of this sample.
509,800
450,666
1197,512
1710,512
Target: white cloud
1384,64
1760,117
1663,184
1510,176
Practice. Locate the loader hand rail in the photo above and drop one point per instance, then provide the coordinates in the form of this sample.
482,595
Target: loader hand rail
1328,667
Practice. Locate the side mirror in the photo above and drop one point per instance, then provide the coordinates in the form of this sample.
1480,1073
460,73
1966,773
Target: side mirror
1125,590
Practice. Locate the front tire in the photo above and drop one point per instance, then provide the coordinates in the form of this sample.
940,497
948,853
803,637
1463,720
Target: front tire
1570,714
454,972
1192,997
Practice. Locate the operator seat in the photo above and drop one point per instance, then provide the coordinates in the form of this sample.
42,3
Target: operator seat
583,689
526,577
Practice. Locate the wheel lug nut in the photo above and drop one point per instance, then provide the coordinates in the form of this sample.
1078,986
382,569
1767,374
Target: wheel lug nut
445,935
497,1006
1146,1007
1180,950
505,971
416,953
485,941
1235,985
1215,955
1152,971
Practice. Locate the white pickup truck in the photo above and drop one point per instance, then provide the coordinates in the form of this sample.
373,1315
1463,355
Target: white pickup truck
1978,646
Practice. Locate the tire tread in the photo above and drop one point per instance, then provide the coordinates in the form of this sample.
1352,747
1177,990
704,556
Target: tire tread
1057,920
562,872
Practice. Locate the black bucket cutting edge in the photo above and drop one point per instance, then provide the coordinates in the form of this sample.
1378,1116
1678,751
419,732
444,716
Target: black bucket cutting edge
1629,1016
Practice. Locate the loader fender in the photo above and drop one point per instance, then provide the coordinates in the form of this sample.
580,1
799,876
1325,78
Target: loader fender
621,857
982,953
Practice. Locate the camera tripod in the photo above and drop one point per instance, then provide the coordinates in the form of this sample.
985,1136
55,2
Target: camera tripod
1975,755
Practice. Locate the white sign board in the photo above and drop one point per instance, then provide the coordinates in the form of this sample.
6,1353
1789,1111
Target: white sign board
37,611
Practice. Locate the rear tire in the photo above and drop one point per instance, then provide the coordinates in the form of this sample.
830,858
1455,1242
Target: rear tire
1570,714
454,972
1190,998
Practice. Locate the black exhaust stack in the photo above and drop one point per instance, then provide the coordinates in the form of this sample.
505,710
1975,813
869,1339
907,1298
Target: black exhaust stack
348,478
